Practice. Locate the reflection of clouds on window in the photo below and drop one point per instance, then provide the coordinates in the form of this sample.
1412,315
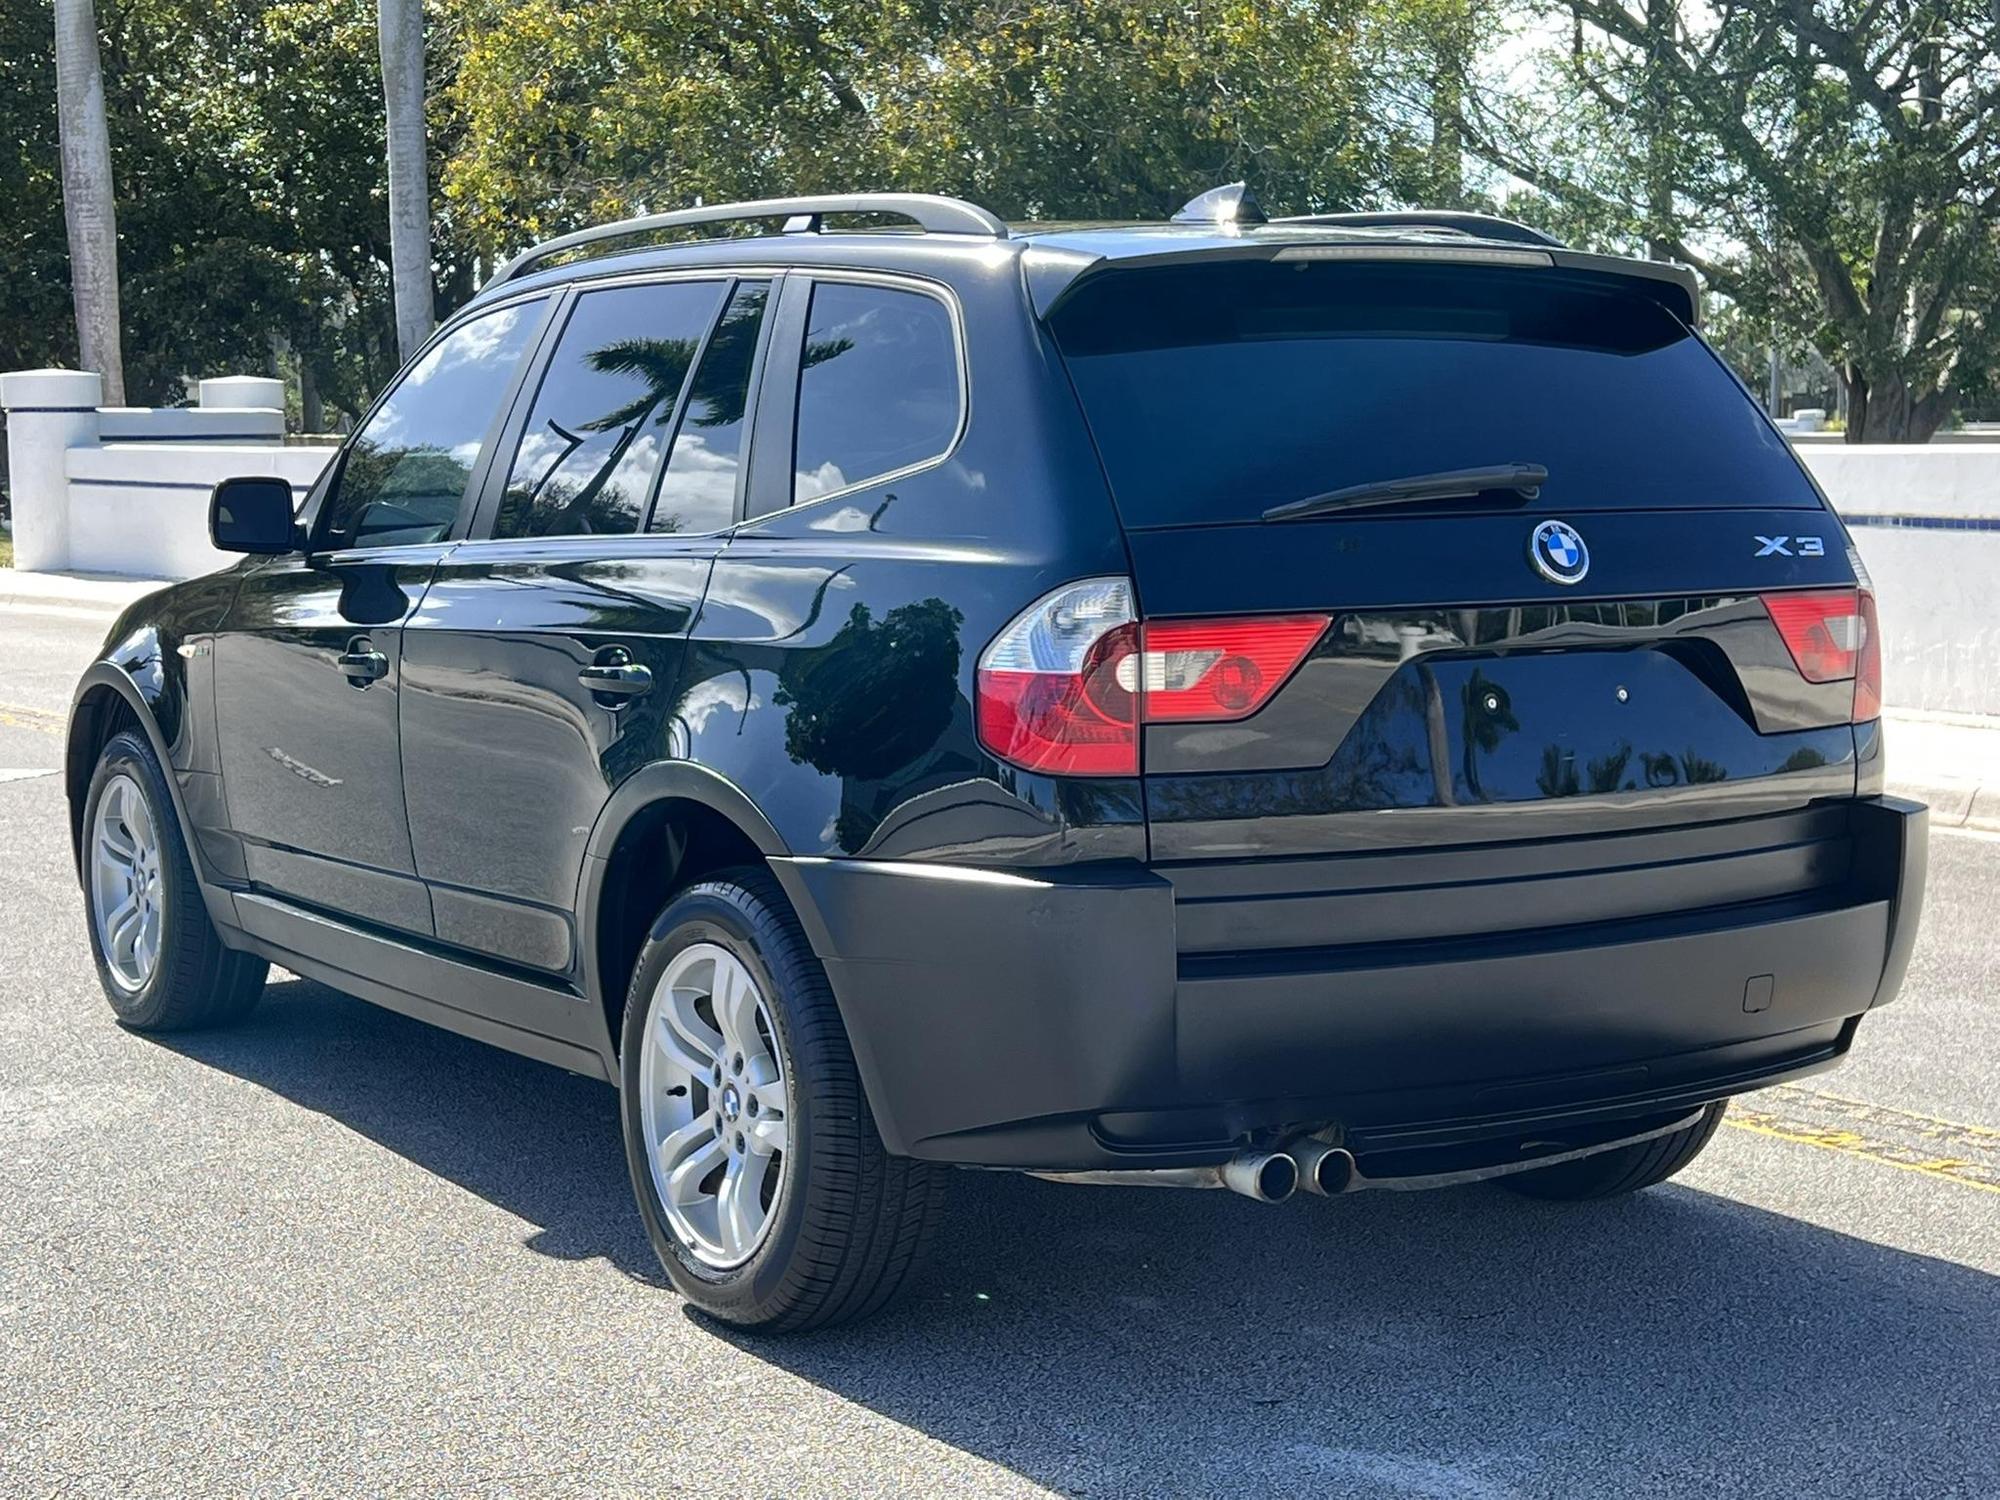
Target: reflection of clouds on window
821,481
478,340
595,437
404,476
878,388
699,490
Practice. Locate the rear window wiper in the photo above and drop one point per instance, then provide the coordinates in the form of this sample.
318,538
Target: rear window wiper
1525,480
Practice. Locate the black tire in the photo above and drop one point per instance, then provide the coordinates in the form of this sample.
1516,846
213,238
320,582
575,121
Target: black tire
852,1222
1624,1170
195,981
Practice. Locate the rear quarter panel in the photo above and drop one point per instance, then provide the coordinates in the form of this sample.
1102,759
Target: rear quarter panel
830,674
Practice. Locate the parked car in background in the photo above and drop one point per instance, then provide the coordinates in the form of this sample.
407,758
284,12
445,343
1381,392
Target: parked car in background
1349,701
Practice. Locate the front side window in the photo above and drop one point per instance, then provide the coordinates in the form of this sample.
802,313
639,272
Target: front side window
698,492
605,412
405,472
878,386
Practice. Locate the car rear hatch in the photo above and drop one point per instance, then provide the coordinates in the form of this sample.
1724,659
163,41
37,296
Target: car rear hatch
1626,695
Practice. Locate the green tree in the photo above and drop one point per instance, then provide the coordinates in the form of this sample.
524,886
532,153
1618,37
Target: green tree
576,112
1833,166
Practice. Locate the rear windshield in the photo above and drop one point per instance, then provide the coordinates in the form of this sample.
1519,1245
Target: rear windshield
1217,391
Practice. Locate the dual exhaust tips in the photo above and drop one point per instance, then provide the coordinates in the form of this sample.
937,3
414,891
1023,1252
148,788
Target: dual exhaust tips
1273,1176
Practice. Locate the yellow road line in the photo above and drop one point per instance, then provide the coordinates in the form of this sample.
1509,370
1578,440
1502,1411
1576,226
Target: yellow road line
1930,1123
1968,1155
18,716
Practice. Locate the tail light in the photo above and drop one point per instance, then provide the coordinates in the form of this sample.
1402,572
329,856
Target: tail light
1067,686
1833,637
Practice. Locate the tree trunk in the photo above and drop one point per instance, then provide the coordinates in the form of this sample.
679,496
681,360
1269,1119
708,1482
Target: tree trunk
312,415
1882,407
400,30
88,207
1448,66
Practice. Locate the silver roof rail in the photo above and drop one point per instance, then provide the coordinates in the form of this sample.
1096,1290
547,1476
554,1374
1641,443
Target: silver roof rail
928,211
1450,221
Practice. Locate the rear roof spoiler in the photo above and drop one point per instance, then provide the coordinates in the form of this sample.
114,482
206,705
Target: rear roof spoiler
1053,271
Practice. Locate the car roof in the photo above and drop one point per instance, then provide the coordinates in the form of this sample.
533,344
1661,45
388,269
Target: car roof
1056,255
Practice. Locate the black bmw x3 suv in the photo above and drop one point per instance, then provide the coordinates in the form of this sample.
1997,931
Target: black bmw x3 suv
1327,703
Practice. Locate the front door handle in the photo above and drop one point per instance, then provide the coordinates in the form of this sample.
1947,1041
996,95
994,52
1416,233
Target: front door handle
614,679
362,663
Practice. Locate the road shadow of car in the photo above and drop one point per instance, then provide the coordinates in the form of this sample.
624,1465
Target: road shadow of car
1144,1342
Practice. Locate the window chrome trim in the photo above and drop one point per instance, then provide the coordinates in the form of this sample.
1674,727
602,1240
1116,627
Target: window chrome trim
895,281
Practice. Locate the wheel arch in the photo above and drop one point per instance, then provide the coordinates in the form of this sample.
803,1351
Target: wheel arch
107,702
667,823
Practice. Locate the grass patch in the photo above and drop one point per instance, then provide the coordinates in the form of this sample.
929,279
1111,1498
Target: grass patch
6,550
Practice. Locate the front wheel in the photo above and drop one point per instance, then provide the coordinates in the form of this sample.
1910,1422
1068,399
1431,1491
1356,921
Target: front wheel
159,958
1624,1169
763,1183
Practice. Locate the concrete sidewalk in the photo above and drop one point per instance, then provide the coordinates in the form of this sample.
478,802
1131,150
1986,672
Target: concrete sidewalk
90,592
1951,761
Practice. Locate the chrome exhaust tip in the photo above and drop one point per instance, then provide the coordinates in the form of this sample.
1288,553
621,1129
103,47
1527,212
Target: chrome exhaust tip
1267,1176
1323,1169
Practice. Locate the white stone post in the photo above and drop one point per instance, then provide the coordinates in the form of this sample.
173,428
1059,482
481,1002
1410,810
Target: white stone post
243,391
48,413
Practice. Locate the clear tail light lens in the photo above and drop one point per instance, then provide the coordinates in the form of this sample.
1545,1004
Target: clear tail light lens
1066,687
1832,636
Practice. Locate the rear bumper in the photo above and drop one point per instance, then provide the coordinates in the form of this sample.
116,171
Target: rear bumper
1047,1019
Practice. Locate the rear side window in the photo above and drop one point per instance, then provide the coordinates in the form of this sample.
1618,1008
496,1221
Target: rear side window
405,472
878,386
1215,392
698,492
605,411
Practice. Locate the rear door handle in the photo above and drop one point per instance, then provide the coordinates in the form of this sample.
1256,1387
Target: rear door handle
618,681
363,664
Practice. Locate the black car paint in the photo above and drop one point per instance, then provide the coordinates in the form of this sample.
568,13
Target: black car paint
813,673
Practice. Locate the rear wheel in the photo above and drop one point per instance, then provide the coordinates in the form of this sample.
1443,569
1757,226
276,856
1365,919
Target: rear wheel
161,963
763,1183
1624,1169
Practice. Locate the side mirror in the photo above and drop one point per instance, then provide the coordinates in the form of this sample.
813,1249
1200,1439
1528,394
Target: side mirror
252,515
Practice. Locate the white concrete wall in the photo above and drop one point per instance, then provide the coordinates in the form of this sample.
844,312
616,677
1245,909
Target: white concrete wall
124,490
1927,522
141,509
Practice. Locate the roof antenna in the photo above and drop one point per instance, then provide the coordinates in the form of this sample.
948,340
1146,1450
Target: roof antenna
1232,203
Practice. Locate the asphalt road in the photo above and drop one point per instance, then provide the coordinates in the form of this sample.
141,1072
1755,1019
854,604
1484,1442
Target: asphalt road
335,1251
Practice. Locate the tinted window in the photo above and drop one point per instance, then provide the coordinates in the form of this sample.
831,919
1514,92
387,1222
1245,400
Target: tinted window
605,410
406,470
1215,392
878,387
698,492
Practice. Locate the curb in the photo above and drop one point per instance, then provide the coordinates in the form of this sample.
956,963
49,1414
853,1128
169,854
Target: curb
69,593
1956,804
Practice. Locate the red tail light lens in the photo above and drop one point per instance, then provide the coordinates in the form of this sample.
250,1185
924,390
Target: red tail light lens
1832,636
1066,686
1050,698
1212,671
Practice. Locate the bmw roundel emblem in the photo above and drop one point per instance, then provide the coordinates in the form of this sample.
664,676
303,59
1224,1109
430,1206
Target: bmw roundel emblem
1558,552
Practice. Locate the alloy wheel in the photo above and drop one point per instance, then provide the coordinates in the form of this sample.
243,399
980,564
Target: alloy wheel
128,893
714,1105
